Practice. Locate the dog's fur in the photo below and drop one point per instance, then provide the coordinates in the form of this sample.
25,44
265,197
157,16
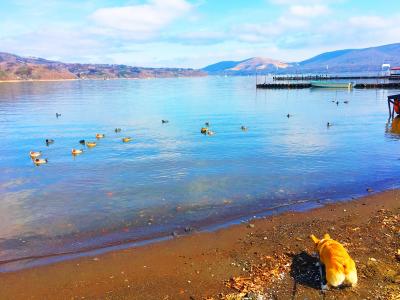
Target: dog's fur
340,269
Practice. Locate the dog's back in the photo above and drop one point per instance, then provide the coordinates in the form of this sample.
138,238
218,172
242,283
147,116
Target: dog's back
340,268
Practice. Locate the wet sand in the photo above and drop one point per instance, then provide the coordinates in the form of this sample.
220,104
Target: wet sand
271,256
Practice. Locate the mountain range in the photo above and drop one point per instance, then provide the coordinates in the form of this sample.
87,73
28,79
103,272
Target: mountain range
14,67
340,61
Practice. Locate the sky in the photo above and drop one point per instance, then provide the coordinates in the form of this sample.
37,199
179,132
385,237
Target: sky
192,33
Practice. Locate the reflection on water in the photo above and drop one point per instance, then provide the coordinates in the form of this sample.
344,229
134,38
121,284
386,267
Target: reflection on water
171,176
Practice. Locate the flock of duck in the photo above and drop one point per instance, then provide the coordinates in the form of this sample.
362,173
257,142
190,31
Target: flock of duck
38,160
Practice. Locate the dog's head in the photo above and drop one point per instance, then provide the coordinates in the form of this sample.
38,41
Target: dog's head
318,243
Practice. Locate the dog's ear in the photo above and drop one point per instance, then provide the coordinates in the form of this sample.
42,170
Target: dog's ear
327,236
314,238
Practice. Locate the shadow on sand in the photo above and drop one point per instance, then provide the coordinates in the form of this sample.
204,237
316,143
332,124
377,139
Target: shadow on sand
305,271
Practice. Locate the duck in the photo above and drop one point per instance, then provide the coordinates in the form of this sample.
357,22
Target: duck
49,141
345,102
288,116
35,154
204,130
40,161
91,144
58,115
82,142
127,139
210,132
117,130
100,135
76,151
244,128
164,121
337,102
329,124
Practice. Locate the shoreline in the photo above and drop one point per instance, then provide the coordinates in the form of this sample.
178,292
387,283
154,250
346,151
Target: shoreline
93,79
201,264
210,225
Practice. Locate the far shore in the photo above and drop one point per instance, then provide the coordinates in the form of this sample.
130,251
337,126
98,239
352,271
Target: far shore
88,79
270,256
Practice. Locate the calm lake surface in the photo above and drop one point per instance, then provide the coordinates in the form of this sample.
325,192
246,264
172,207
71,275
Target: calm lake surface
170,176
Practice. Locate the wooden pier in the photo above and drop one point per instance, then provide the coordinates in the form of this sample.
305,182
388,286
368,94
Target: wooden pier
294,85
328,77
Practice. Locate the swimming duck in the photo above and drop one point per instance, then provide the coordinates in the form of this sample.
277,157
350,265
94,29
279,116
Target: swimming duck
210,132
35,154
58,115
244,128
288,116
126,139
346,102
164,121
49,141
76,151
82,142
100,136
337,102
117,130
91,144
204,130
40,161
329,124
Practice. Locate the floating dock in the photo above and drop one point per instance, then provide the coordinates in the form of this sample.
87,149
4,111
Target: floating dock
328,77
294,85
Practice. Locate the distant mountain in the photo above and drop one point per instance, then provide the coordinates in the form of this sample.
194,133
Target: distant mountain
13,67
246,67
340,61
353,60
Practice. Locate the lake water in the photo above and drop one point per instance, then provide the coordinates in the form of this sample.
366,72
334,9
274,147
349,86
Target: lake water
170,176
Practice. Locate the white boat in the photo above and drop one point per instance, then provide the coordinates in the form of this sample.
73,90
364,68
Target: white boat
332,84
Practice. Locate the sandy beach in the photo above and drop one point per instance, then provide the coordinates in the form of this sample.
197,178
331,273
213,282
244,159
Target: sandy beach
271,256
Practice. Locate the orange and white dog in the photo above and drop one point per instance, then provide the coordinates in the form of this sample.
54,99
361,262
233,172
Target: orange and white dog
340,269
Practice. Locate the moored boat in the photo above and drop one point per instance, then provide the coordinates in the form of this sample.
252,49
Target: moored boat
332,84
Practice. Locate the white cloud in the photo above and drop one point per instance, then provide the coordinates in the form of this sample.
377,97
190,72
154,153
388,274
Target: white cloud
308,10
140,21
374,22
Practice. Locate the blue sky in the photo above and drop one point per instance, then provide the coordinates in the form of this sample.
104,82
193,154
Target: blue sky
192,33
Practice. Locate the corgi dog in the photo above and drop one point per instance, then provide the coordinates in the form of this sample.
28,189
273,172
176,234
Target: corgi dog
340,269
